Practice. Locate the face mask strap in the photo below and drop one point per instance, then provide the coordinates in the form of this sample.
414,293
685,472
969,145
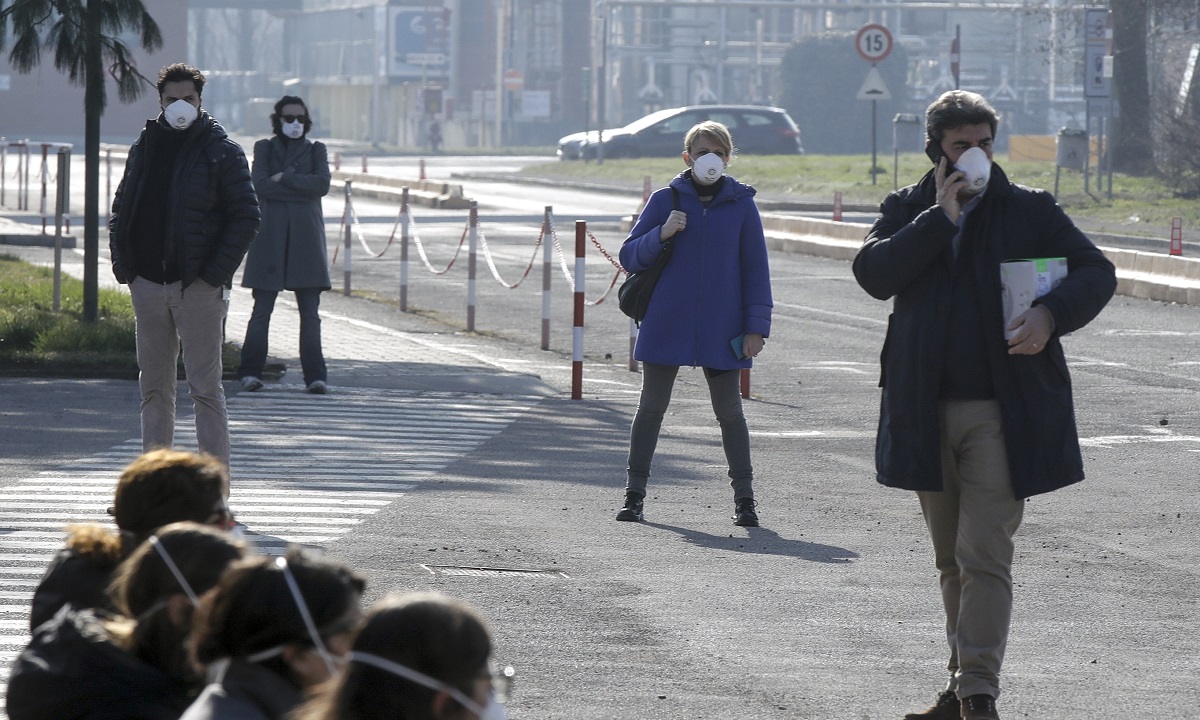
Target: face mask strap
281,563
183,583
419,678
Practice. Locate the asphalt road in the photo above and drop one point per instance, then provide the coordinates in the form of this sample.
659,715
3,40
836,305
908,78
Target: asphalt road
830,610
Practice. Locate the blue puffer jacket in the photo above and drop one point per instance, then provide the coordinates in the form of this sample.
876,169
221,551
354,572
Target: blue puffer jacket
716,285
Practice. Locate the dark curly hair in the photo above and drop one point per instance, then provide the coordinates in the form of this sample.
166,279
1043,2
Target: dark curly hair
277,122
181,72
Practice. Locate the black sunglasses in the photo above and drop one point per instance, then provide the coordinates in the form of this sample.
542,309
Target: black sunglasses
293,118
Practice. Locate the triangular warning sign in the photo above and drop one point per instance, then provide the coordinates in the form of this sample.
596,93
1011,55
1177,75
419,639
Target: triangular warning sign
874,88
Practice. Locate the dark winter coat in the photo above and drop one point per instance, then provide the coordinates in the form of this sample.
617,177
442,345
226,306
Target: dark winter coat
907,256
289,252
715,287
71,670
212,215
245,691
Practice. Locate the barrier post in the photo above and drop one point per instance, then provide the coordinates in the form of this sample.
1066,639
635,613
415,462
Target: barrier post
633,333
64,184
1177,236
577,330
45,184
421,175
23,176
837,206
364,163
404,250
62,194
337,161
3,163
547,273
473,237
746,383
349,215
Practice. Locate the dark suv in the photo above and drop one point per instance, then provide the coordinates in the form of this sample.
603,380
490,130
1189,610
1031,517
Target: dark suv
756,129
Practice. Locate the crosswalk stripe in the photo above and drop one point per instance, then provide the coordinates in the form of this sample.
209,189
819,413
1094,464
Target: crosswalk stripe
306,470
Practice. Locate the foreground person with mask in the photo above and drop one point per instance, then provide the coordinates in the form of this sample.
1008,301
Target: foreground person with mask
271,630
420,656
159,488
182,219
976,414
711,307
85,664
291,175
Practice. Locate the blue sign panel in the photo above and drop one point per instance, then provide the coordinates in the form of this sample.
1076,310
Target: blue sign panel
419,42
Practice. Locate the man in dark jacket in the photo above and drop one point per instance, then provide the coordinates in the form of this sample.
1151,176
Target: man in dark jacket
183,218
973,422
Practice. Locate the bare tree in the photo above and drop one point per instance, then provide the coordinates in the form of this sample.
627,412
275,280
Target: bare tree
84,36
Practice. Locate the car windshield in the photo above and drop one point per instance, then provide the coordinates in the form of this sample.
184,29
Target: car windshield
650,119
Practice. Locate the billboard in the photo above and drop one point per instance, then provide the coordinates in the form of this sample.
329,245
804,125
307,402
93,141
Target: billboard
418,42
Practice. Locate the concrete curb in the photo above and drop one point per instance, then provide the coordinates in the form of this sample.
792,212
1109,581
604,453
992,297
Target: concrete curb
1140,274
429,193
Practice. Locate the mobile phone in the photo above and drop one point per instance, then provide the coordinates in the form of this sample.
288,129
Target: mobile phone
933,151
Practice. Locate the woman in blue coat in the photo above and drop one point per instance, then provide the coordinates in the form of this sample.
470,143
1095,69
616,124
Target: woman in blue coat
291,175
711,307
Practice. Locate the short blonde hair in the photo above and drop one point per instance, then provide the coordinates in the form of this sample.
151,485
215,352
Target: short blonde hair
713,131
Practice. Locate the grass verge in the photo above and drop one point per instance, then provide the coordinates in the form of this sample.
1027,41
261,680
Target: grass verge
36,340
1139,205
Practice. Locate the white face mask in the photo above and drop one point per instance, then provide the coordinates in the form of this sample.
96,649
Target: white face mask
494,710
976,169
294,130
708,168
180,114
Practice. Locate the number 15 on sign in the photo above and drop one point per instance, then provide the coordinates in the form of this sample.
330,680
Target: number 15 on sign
873,42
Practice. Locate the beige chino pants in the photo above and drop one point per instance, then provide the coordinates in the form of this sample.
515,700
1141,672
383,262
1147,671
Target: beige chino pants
972,523
169,317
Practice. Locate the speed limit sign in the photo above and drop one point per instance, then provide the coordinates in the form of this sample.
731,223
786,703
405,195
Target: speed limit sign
873,42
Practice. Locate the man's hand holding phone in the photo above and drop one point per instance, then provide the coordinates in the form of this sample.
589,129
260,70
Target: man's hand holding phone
949,181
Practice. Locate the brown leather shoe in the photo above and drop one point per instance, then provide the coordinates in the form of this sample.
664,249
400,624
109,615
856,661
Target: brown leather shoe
979,707
946,707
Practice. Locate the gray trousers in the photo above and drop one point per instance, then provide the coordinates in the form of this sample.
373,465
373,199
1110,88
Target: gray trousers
167,318
972,523
724,390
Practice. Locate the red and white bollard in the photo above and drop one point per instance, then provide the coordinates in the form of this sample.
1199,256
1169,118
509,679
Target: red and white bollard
421,169
577,330
547,272
473,238
364,163
337,161
1177,236
837,206
404,250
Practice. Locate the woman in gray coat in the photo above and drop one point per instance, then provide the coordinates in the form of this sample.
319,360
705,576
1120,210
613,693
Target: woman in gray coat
291,175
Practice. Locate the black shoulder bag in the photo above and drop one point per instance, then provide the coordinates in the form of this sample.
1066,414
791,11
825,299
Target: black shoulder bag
634,294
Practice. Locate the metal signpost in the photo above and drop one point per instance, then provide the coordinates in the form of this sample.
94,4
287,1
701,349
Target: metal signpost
874,43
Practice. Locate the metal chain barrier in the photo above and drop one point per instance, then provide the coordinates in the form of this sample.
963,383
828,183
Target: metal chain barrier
487,254
566,271
425,258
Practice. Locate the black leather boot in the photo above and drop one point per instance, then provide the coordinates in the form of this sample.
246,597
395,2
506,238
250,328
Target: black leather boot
632,512
743,512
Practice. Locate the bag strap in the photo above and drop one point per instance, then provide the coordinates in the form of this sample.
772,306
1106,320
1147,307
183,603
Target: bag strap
675,202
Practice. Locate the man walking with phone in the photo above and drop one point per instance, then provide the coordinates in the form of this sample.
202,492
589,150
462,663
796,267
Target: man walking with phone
973,422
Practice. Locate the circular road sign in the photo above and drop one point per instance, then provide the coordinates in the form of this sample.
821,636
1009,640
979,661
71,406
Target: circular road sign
873,42
514,80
